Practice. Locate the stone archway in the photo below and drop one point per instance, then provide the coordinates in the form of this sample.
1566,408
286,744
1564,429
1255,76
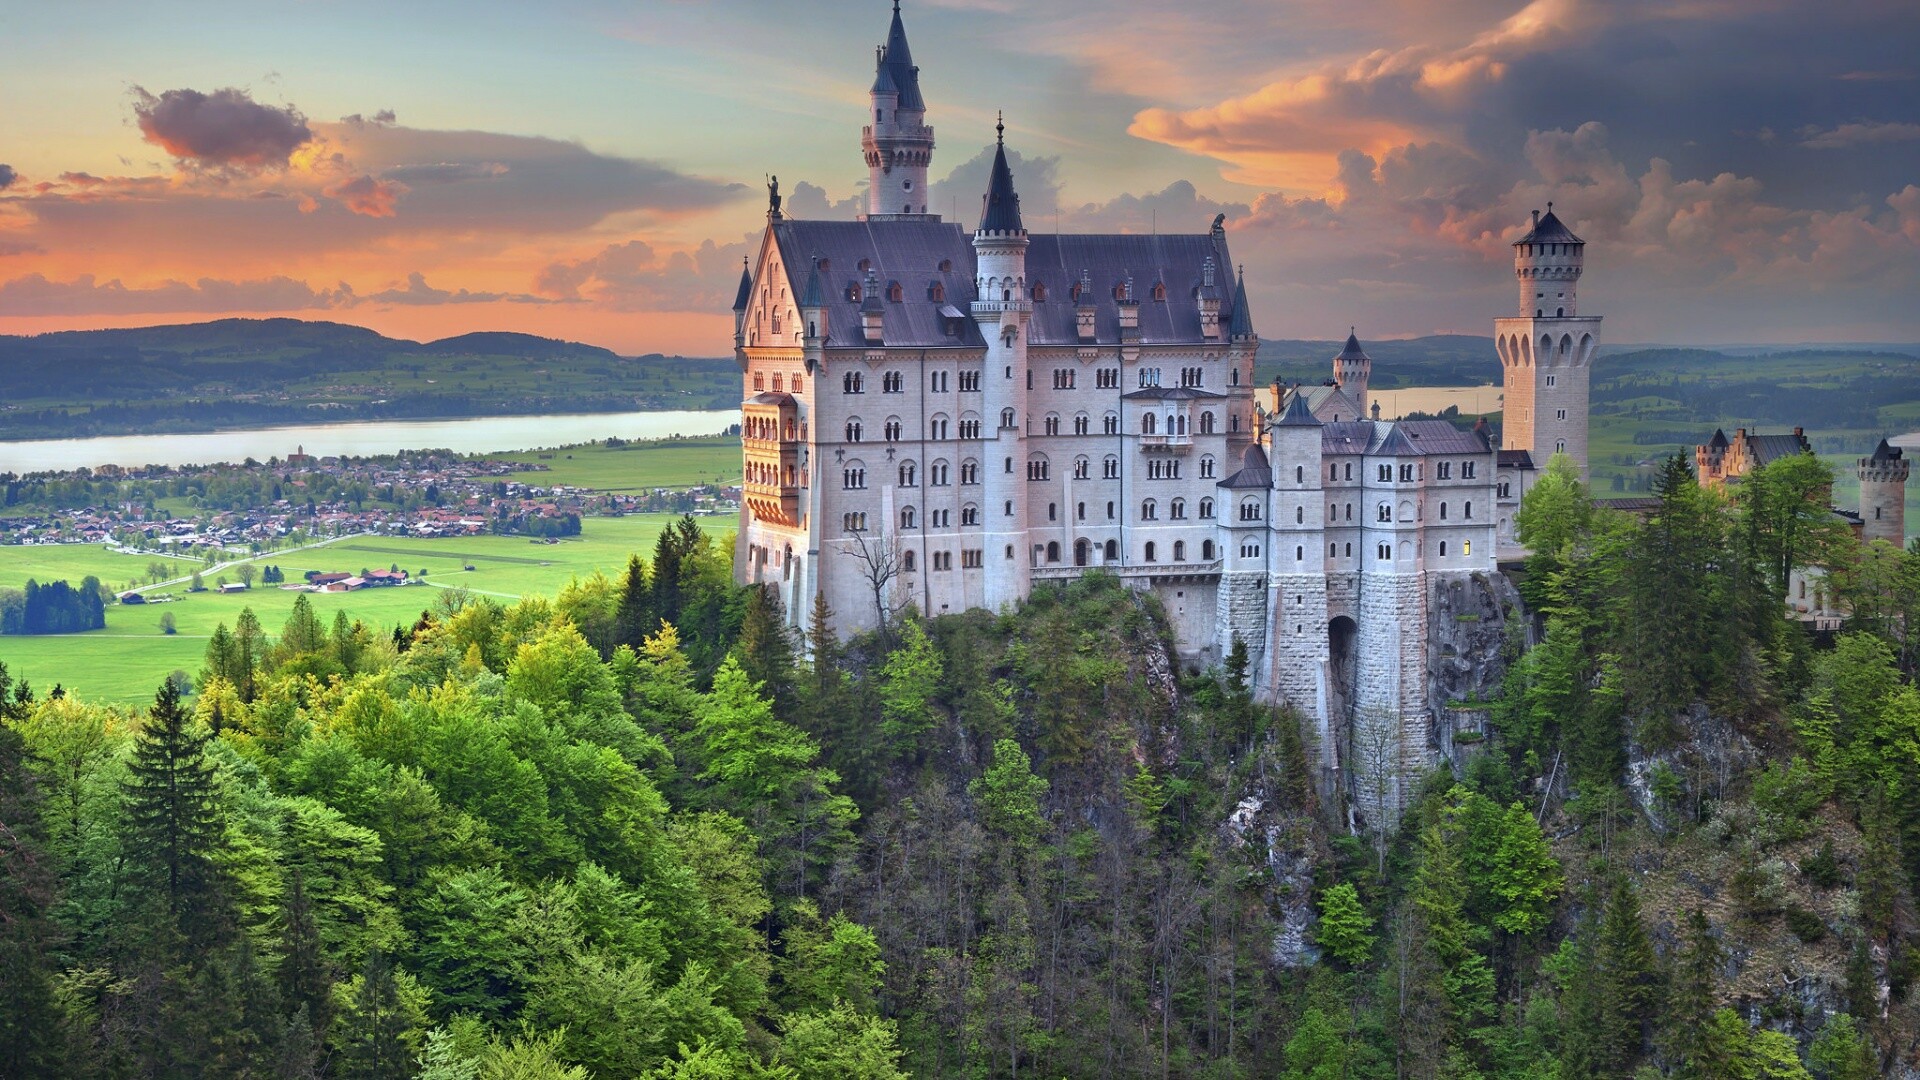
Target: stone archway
1342,670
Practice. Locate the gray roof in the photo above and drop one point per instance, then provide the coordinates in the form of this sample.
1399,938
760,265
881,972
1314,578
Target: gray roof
1177,262
1766,448
897,60
1254,471
1000,207
1414,438
911,250
1298,414
1548,229
1886,452
815,294
1240,320
1719,440
771,398
1170,393
1516,459
1353,351
746,290
1346,437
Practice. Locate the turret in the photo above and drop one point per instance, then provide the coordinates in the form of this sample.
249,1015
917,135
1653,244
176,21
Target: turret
813,311
898,143
1002,312
873,310
1129,313
1547,263
740,300
1883,495
1352,369
1209,297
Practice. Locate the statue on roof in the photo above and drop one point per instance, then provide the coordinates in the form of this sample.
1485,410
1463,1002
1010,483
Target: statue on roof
773,196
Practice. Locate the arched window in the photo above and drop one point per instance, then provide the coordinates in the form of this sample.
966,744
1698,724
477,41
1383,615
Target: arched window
1206,509
1150,553
1299,553
1149,511
907,561
1443,511
853,382
937,292
1299,515
1250,510
853,430
909,474
1006,418
1443,548
1053,551
1206,422
1206,551
1179,551
893,429
1299,474
1113,551
1177,510
908,519
895,293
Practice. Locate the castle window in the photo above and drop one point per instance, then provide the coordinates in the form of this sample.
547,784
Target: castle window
1386,474
1177,510
943,560
1443,511
1081,468
893,383
1250,511
1110,468
1333,551
937,292
907,518
1406,473
1148,511
1082,424
1052,424
1159,291
1467,511
1466,547
1053,551
1207,466
1009,508
1109,514
1444,471
1504,490
1333,470
1053,512
1466,470
909,475
1080,511
1148,422
1385,514
853,431
969,473
1299,553
853,382
854,477
1207,423
937,382
1349,471
1299,515
893,430
970,429
1560,414
1560,313
1110,424
1443,548
1385,551
1299,474
1150,551
759,382
1206,551
853,293
865,265
970,515
1039,293
907,561
1179,551
1349,551
1559,446
854,523
1037,469
1206,509
1006,418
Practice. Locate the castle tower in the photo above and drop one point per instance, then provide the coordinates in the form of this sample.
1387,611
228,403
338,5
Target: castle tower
1298,646
1546,352
898,144
1883,495
1352,369
1002,310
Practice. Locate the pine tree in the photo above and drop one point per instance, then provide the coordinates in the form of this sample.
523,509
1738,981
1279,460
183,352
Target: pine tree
1693,997
634,620
302,633
174,827
249,652
375,1025
305,978
29,1021
1345,928
1616,991
766,647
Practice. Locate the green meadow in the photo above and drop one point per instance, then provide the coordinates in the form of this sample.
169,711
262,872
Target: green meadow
127,660
635,467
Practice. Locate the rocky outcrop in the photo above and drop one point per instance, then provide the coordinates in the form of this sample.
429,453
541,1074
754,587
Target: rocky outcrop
1284,842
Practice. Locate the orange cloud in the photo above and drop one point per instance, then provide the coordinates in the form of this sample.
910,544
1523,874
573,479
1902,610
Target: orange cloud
365,195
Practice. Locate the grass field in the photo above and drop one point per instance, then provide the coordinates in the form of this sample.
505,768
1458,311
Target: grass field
640,467
124,662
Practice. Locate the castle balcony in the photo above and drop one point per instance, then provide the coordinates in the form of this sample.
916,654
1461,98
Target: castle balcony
1166,444
1001,307
1138,574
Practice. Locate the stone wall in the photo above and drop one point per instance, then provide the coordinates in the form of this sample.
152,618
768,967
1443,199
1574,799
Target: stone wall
1241,610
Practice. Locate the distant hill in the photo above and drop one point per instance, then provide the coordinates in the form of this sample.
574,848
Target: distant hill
1435,360
254,372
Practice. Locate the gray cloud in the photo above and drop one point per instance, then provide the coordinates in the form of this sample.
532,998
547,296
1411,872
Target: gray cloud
34,294
7,176
633,276
224,129
1859,134
418,293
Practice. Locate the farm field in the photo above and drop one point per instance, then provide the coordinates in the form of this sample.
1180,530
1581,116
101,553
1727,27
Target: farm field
127,660
636,467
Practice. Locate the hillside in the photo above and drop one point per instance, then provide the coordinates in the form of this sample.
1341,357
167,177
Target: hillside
254,372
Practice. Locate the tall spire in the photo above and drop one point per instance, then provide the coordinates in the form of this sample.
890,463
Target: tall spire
1242,322
1000,208
897,61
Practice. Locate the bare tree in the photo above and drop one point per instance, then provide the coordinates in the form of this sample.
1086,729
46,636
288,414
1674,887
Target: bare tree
1376,772
879,558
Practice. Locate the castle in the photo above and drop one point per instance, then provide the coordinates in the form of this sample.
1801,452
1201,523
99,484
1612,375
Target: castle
945,418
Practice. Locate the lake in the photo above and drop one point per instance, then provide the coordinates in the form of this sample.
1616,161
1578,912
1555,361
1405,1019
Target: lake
1435,399
475,436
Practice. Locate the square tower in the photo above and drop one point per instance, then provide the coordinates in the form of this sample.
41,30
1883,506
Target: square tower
1546,351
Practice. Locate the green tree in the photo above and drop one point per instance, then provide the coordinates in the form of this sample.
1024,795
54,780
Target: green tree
29,1021
302,633
1842,1051
1317,1050
380,1020
841,1043
1693,996
909,682
305,977
826,961
175,829
1345,929
1678,646
1008,795
766,647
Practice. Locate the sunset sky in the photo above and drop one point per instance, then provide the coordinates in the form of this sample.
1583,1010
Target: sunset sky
1744,170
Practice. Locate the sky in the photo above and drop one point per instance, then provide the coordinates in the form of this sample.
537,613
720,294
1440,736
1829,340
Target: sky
1744,171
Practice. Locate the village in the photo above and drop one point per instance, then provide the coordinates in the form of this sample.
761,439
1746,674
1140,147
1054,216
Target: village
255,507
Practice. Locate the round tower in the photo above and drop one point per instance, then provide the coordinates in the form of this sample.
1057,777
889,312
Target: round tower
1883,495
1547,263
1001,310
898,143
1352,369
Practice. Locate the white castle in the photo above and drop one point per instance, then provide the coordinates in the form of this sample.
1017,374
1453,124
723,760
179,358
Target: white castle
943,419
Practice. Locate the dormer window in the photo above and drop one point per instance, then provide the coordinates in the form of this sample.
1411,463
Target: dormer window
1039,292
946,266
853,293
937,292
895,293
1160,291
866,265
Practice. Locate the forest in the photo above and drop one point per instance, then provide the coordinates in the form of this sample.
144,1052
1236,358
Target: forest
54,608
640,830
